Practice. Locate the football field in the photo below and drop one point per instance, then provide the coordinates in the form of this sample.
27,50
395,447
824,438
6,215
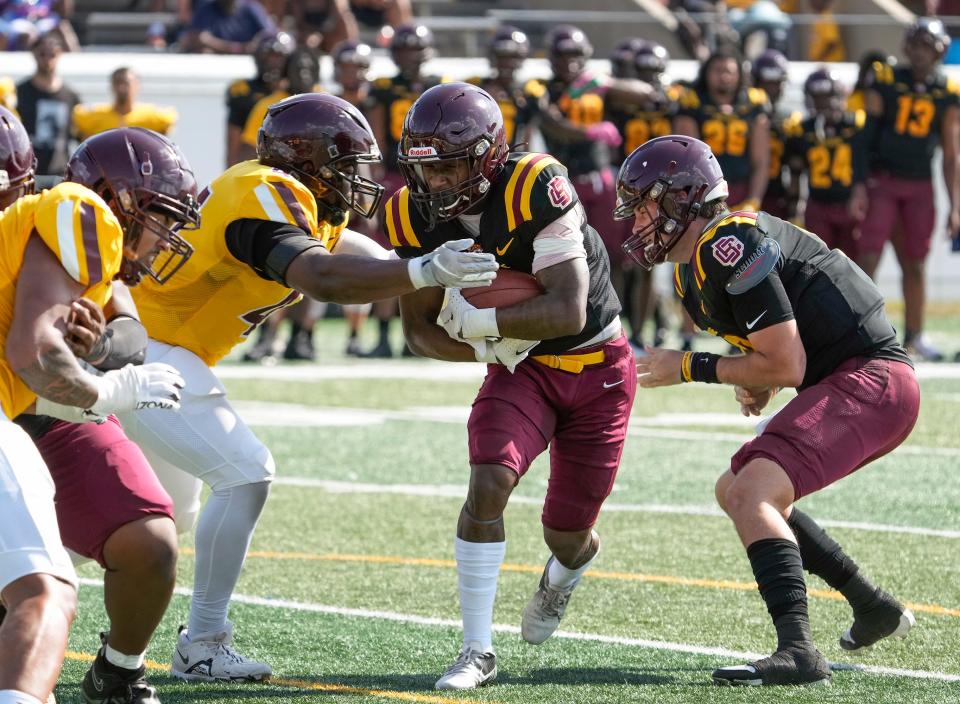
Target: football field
350,589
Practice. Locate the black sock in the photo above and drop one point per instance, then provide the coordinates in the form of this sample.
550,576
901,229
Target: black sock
384,331
825,558
778,569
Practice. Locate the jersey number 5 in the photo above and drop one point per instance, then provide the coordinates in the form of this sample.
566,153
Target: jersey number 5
258,315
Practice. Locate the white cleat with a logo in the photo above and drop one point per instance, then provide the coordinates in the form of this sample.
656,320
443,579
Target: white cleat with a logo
211,658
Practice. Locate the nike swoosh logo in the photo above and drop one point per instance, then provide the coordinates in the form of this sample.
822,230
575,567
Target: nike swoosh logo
182,657
503,250
97,682
610,386
755,320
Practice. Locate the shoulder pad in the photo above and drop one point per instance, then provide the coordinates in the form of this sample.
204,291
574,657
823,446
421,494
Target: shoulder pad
399,216
537,186
882,72
382,82
757,96
859,118
535,88
689,99
723,247
754,268
673,92
239,88
793,125
475,81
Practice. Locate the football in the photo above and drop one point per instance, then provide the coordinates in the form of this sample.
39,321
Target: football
509,288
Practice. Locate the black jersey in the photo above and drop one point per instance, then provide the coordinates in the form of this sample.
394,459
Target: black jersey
727,132
580,156
532,191
515,104
782,127
397,95
242,95
913,112
833,155
638,125
750,271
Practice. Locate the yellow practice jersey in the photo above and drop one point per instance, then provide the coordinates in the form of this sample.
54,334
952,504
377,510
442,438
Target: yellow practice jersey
89,120
82,232
215,300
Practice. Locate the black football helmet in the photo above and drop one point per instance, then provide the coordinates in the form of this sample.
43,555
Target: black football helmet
681,175
568,50
452,123
18,165
824,91
323,141
508,49
929,31
623,56
650,61
142,176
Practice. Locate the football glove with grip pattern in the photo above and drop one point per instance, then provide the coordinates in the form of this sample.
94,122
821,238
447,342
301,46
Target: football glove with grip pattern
154,385
451,266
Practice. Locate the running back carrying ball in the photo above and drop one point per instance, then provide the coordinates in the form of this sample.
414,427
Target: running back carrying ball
508,289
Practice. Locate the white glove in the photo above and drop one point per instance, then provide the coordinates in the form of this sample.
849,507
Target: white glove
462,320
506,351
451,266
132,388
71,414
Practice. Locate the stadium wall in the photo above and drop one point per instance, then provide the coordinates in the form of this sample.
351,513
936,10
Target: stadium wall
196,85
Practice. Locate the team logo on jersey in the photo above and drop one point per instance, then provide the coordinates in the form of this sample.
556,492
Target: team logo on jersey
559,192
728,250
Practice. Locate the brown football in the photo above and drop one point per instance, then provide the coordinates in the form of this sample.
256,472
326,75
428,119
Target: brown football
509,288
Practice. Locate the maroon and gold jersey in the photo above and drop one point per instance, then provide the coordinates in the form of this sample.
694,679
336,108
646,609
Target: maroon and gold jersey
82,233
638,125
397,95
727,132
833,155
516,106
580,156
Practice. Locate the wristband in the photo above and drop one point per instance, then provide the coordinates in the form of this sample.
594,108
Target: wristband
685,375
415,272
703,367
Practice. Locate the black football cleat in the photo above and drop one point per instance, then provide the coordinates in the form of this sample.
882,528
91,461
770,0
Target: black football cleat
107,684
884,618
784,667
381,351
300,347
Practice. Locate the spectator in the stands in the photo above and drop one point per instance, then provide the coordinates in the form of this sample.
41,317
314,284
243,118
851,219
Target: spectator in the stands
322,24
227,27
375,14
124,111
22,22
45,104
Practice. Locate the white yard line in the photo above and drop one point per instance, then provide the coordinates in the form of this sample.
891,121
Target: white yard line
568,635
458,492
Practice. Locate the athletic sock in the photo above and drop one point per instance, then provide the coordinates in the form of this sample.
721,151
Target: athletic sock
560,577
13,696
778,569
478,567
384,331
122,661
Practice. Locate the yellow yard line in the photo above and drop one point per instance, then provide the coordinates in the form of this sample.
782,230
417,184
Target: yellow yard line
536,569
320,686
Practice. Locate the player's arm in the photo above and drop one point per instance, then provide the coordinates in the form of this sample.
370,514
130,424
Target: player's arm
418,312
124,339
950,139
378,120
778,360
759,159
286,254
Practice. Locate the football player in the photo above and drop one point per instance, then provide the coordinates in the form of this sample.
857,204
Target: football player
508,50
807,317
270,58
268,230
828,147
865,75
637,124
59,246
733,119
411,46
769,72
560,370
911,109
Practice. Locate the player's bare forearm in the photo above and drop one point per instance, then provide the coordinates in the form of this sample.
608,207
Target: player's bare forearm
346,278
560,311
418,313
757,370
759,158
631,91
53,373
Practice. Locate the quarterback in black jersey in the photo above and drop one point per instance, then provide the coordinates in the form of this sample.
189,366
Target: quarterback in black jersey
560,371
806,317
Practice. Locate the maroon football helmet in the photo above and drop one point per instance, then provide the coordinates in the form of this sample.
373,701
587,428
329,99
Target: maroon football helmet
680,174
411,46
18,165
143,177
824,92
450,123
769,71
650,61
271,55
622,58
323,141
351,62
929,31
568,50
509,48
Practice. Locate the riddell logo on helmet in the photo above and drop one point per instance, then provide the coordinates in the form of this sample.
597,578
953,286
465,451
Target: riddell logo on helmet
417,152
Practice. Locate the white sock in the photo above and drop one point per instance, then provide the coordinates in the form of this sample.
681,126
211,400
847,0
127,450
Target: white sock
560,577
127,662
478,566
223,536
12,696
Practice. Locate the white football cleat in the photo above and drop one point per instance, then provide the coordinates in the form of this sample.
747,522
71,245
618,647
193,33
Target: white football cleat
546,607
471,670
211,658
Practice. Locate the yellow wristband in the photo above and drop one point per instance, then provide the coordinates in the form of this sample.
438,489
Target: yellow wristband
685,373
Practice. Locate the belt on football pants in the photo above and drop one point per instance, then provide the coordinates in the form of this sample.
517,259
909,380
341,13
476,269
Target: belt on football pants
570,362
